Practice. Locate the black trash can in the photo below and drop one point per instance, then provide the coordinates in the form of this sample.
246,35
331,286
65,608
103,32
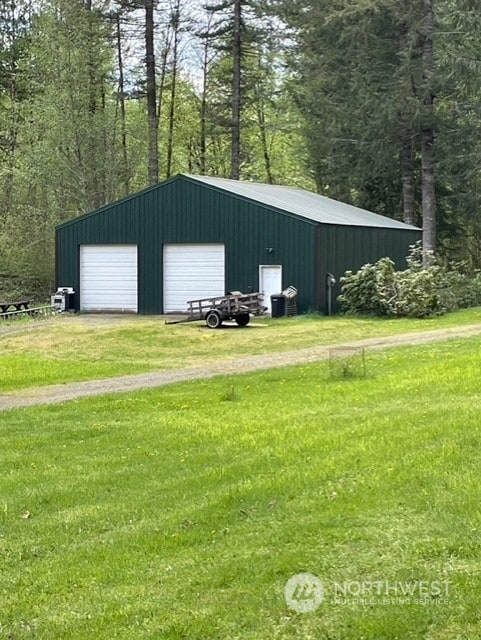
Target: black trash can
278,305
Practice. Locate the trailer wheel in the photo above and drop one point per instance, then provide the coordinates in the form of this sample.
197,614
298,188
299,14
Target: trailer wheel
243,319
213,320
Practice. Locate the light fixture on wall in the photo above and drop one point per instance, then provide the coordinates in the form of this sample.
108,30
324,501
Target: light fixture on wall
269,250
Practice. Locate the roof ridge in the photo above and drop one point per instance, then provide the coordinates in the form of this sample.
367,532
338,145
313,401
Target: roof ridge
327,211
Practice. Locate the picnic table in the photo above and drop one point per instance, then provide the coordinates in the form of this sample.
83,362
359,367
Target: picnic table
18,306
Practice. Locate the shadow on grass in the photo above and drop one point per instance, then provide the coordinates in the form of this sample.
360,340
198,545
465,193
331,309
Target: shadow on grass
232,325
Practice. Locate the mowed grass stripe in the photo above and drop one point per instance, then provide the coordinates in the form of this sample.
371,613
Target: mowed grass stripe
181,512
77,348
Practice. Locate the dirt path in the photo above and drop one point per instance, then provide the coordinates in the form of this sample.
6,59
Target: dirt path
71,391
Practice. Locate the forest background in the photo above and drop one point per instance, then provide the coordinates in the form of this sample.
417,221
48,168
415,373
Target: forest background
372,102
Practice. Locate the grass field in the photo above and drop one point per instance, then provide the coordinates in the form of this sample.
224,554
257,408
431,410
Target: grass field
180,513
84,348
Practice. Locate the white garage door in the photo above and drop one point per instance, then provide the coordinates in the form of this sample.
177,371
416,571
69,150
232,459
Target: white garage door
192,271
108,277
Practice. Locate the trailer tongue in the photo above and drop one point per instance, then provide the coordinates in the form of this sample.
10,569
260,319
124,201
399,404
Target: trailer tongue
233,306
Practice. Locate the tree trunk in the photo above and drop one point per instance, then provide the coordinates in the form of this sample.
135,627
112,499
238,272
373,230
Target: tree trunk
261,121
427,131
203,118
407,169
173,86
164,58
203,100
91,62
153,122
236,90
407,151
11,66
428,190
123,130
95,159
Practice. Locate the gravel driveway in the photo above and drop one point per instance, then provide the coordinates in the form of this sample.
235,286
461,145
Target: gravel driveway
71,391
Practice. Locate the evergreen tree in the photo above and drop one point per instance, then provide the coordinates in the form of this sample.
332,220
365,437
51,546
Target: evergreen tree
234,36
378,87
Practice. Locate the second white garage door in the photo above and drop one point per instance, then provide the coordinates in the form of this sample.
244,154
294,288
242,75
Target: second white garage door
108,277
192,271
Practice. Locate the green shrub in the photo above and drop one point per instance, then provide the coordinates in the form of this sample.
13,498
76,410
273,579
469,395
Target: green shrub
424,289
369,289
460,290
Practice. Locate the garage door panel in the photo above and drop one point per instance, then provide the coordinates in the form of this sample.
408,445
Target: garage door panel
108,278
192,271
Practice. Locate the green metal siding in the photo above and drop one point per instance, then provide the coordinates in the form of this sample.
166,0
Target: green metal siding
349,248
182,211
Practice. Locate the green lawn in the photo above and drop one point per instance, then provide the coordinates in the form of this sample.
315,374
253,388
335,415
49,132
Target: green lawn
72,348
180,513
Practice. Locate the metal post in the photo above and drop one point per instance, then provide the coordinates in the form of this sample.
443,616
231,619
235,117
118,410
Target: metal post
330,282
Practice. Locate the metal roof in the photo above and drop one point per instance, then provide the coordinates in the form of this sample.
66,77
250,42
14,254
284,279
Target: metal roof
303,203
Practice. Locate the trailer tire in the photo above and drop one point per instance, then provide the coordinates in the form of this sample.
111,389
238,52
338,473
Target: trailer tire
243,320
213,320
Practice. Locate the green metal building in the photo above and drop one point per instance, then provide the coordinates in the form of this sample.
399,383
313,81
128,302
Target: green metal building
193,236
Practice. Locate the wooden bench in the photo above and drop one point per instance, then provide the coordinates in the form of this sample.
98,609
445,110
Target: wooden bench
20,305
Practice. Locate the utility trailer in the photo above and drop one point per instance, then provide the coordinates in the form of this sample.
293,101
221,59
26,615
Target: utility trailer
235,305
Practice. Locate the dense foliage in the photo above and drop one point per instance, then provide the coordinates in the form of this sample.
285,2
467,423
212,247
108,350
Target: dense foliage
420,291
374,102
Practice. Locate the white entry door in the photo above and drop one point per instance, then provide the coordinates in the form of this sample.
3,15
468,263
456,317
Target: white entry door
270,282
192,271
108,277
